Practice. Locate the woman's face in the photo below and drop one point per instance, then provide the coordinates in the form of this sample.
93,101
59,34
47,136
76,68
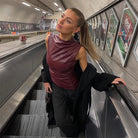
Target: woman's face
68,22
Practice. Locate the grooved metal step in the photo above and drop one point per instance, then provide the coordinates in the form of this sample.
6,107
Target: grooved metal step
34,107
38,95
24,137
32,125
32,120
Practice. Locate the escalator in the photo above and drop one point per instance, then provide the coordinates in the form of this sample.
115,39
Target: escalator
113,113
109,117
31,119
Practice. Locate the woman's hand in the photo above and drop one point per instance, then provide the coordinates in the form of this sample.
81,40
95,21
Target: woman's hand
47,87
118,80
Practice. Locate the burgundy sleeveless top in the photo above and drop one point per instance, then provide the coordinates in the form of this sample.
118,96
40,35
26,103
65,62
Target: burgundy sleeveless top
61,60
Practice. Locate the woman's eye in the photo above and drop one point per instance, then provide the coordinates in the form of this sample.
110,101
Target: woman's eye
61,16
68,21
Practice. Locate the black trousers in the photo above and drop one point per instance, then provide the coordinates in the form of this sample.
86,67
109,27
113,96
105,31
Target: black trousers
63,101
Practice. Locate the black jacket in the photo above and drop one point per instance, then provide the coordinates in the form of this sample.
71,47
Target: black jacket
89,78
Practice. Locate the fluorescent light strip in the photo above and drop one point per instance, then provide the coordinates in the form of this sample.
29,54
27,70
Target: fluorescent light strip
37,9
44,12
60,9
26,4
56,4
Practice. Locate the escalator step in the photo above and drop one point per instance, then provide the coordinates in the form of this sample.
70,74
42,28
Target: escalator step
34,107
38,95
23,137
31,125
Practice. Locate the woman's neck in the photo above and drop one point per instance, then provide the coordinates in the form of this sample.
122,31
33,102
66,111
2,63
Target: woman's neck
65,37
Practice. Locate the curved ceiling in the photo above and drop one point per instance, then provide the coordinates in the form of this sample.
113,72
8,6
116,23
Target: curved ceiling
88,7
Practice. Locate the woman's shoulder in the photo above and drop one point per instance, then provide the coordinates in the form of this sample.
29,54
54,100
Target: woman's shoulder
82,49
47,37
81,53
50,36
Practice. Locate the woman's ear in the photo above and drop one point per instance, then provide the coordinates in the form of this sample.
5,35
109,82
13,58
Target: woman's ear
76,30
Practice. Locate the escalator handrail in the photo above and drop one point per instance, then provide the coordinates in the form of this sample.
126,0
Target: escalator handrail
128,96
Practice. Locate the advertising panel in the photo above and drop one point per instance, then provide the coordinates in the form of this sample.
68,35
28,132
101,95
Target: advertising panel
126,32
98,30
104,30
112,31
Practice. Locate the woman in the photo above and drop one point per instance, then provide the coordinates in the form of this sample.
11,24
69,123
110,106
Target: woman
62,54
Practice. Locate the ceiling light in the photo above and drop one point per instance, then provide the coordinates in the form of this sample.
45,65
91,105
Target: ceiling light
26,4
60,9
56,4
37,9
44,12
49,14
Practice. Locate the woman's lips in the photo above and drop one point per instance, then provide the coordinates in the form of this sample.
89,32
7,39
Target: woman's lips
59,26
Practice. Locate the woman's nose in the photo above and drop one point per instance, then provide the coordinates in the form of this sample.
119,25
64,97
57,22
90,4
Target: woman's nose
61,21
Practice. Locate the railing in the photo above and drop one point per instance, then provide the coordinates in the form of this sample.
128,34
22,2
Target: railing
119,105
126,94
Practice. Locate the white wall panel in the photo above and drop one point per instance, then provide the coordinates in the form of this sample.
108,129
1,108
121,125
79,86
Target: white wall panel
56,15
14,11
88,7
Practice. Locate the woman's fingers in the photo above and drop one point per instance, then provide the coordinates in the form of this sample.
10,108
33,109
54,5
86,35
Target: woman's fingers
49,90
47,87
118,80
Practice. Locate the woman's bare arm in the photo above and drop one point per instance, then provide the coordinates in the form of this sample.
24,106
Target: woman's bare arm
82,57
46,41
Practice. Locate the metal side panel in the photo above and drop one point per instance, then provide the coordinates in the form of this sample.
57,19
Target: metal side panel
8,109
110,116
96,125
15,71
114,126
125,122
37,56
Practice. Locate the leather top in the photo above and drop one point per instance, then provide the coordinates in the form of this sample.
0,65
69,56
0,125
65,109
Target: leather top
61,60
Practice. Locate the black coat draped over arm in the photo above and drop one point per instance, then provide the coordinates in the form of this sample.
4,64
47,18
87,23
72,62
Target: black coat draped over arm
87,79
99,81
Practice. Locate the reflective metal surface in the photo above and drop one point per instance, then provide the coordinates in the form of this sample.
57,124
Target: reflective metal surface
14,71
110,116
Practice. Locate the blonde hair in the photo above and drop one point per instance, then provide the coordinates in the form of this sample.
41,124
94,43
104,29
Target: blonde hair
85,39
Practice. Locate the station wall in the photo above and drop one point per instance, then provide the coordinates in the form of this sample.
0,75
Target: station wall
129,72
15,11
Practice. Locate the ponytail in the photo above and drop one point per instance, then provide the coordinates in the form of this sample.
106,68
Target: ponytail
85,40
